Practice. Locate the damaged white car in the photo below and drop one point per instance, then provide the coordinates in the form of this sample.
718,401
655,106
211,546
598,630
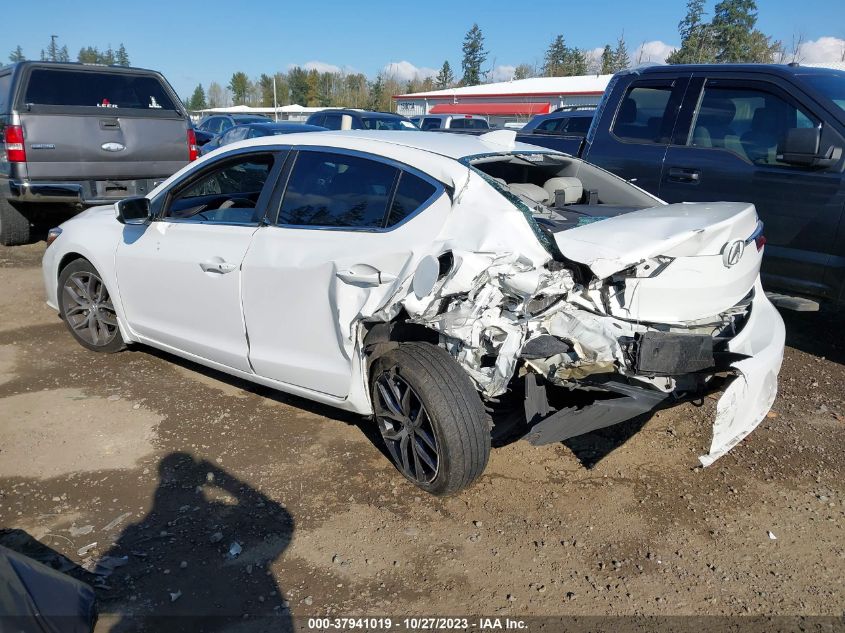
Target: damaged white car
420,278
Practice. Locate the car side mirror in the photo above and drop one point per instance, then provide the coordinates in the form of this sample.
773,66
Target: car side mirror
801,147
134,210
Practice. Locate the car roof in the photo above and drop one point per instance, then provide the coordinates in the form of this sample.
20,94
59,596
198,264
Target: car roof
784,70
283,125
455,146
361,113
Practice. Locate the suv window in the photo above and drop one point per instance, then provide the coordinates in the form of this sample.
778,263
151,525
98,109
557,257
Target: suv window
410,195
5,88
549,126
336,190
748,122
226,194
225,123
578,125
430,123
640,116
58,87
333,121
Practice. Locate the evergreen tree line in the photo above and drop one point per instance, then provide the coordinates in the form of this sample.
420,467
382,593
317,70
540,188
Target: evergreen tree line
87,54
730,35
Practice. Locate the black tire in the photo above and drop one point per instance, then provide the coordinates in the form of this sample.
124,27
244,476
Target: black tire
15,228
86,308
448,400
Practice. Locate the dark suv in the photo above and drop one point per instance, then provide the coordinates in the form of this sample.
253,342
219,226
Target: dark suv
360,120
76,135
218,123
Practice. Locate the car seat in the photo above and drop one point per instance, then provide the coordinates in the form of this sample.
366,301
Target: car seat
760,142
571,189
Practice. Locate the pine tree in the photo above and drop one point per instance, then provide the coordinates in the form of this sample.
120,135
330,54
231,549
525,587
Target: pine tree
445,78
376,92
108,57
64,56
733,29
239,85
555,59
122,57
697,44
52,50
607,66
197,100
576,62
474,56
621,61
17,55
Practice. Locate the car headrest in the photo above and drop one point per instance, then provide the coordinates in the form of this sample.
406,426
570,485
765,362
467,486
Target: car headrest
571,187
530,191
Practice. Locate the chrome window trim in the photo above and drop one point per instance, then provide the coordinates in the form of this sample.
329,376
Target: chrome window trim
439,189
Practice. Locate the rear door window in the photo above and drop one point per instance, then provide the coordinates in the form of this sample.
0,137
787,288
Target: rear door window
430,123
642,113
337,190
76,88
5,89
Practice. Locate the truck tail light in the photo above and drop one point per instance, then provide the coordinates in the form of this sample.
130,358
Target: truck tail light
193,152
13,137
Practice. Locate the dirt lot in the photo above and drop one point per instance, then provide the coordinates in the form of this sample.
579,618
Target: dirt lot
140,455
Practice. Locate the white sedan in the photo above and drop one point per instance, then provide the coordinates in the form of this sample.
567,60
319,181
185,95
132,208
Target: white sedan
425,280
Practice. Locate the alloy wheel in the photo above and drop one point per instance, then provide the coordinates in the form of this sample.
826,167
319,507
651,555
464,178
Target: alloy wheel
406,428
88,308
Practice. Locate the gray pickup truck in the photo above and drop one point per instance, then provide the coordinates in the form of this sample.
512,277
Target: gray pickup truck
77,135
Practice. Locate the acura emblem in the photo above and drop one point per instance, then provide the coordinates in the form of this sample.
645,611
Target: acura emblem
732,253
113,147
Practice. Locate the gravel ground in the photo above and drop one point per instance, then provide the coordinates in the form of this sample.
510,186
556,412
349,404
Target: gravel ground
228,499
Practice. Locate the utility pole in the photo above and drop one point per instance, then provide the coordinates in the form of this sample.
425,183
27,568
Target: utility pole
275,101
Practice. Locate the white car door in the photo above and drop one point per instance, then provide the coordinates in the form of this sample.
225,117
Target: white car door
348,229
180,276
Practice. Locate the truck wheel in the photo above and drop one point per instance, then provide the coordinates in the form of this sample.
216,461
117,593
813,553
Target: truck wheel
14,226
431,417
87,309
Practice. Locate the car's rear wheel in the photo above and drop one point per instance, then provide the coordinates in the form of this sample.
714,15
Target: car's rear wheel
87,308
15,228
430,417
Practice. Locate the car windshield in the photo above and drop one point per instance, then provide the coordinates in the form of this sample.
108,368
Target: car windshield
832,86
387,123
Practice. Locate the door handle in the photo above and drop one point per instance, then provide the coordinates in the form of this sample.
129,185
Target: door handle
684,174
219,266
365,275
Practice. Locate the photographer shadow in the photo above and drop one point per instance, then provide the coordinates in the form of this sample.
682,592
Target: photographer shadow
200,560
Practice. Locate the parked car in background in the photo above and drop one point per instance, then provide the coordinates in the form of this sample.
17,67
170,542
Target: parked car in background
563,130
202,136
350,119
76,135
418,277
256,130
218,123
768,134
451,122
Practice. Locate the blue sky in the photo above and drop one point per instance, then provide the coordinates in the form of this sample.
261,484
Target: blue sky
197,42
